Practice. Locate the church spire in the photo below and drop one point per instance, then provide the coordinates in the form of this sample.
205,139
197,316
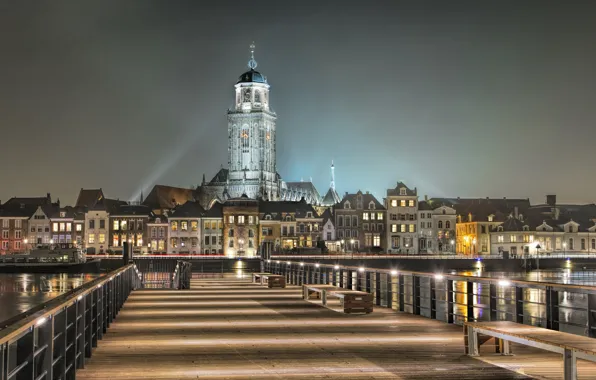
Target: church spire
332,175
252,63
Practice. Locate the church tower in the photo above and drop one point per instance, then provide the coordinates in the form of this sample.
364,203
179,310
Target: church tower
251,138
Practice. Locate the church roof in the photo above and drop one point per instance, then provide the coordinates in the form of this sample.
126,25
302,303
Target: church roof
221,176
190,209
298,190
330,198
252,76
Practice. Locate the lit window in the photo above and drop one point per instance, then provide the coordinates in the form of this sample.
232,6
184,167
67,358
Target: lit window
54,227
393,203
240,219
194,226
372,216
116,226
139,240
161,245
500,238
376,241
79,227
68,226
380,216
250,219
116,240
403,228
102,238
365,216
184,225
231,219
513,238
394,228
174,226
412,228
123,225
62,227
91,238
411,203
402,203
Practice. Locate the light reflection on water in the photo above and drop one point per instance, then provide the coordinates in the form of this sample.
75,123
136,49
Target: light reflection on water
20,292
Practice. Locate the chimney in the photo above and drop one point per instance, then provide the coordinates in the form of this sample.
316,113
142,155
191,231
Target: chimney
367,192
551,200
425,198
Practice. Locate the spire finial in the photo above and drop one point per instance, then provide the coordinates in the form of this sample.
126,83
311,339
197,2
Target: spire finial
332,175
252,64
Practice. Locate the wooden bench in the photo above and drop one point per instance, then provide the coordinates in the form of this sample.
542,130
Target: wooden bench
316,291
352,300
274,280
571,346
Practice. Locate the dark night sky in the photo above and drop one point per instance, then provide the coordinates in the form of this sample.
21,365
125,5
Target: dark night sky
456,98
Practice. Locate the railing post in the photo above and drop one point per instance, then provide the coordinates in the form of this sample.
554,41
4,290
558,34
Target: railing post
45,337
378,288
552,309
80,334
492,302
389,290
401,296
349,279
433,297
470,301
450,294
341,278
519,305
368,283
415,295
25,350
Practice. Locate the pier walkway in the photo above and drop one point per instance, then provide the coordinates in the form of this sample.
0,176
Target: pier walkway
233,329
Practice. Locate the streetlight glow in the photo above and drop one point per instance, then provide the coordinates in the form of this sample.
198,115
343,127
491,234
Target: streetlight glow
438,276
504,282
361,269
336,267
394,273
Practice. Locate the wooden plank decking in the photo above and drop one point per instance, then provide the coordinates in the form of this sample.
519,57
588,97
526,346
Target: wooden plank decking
233,329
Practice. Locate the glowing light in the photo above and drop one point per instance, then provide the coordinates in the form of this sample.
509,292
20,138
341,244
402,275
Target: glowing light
289,263
301,264
361,269
98,286
277,262
336,267
394,273
317,265
504,283
268,261
80,297
438,276
41,321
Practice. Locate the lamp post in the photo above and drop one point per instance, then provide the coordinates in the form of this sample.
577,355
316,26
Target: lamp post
343,247
352,246
26,241
564,248
452,245
538,256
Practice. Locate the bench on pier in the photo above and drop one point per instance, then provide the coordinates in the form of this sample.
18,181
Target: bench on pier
352,301
272,280
315,291
571,346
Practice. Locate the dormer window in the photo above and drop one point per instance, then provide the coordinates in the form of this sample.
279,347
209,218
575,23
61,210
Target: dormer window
157,220
347,205
309,214
570,229
288,218
500,228
371,205
62,214
267,217
469,217
402,191
526,228
491,218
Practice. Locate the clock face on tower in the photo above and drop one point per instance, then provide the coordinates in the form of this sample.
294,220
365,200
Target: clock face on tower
246,95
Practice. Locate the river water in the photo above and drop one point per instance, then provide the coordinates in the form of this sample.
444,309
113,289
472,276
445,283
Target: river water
20,292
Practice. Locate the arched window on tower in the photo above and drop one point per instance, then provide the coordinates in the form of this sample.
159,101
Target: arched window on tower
244,142
257,97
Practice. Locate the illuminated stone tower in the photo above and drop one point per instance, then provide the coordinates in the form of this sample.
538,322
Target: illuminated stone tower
251,138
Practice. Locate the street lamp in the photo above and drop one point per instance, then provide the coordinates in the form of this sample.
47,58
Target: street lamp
352,245
564,247
343,247
452,245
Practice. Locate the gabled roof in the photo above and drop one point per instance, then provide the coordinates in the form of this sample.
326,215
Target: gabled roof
424,206
69,212
331,198
353,198
89,197
167,197
328,216
190,209
513,224
216,211
396,191
298,190
18,210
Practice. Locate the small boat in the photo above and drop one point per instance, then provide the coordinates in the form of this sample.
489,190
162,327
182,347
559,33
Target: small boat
54,258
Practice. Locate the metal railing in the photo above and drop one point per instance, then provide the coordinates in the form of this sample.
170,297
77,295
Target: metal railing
53,343
182,275
456,298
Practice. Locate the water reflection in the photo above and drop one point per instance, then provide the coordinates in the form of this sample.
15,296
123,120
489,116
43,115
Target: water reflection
20,292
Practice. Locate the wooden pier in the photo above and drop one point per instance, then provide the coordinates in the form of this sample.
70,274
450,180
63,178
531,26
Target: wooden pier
234,329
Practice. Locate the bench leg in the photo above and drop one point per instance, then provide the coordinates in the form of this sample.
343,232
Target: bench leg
472,341
570,365
324,297
505,347
262,280
304,293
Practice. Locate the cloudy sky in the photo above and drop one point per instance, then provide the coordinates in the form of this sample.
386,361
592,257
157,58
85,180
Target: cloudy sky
457,98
